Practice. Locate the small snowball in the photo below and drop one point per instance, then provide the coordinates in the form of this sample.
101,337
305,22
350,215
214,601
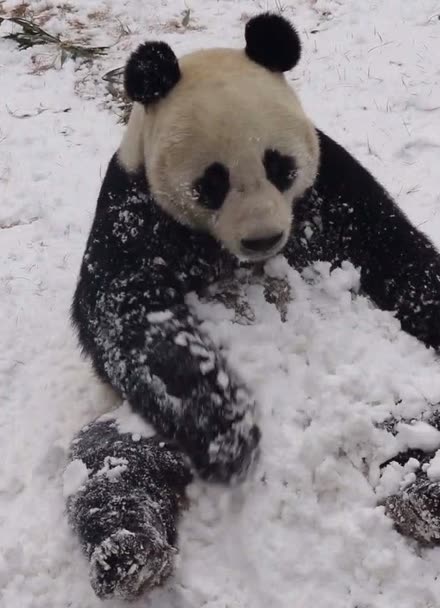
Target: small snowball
74,477
341,280
412,465
199,350
408,480
396,477
223,380
206,367
159,261
433,470
308,232
113,467
160,317
181,339
420,435
128,421
277,267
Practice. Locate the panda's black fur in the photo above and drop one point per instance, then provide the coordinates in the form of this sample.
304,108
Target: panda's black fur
127,522
132,321
272,42
153,70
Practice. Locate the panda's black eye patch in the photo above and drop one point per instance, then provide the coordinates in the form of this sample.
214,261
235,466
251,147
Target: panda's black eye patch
281,169
212,188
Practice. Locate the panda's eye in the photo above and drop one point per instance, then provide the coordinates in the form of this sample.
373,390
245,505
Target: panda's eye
212,187
281,170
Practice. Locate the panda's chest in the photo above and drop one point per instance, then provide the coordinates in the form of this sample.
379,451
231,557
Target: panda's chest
196,260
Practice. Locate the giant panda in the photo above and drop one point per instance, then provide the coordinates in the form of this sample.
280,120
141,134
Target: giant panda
219,167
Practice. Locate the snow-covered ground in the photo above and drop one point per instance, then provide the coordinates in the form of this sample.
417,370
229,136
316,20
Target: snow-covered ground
306,530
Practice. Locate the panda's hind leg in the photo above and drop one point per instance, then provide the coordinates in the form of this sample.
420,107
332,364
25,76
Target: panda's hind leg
125,493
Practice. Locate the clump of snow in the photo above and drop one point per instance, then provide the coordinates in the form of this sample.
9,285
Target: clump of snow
128,421
74,477
113,467
418,435
160,317
305,529
396,477
433,469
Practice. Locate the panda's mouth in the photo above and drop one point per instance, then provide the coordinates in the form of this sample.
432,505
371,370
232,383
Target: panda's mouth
261,245
261,248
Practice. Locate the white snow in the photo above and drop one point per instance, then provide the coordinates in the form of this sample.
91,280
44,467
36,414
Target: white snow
418,435
128,421
160,317
396,477
113,467
74,477
305,530
433,470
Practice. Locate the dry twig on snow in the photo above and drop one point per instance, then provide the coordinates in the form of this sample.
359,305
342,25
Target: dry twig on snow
32,34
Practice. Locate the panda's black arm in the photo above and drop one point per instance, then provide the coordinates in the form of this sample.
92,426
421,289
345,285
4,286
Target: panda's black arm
357,220
132,321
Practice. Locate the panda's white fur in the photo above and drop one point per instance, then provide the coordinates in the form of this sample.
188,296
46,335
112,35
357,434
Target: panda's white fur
227,109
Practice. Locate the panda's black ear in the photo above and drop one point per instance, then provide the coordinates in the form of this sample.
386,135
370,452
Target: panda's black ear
272,42
152,70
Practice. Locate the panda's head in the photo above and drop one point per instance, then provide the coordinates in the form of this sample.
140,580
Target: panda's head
222,137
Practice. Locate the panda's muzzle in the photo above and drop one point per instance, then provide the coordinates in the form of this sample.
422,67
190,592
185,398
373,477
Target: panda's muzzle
262,245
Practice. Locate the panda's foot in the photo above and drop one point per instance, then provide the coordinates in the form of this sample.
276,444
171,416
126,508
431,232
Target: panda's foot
416,511
124,499
127,564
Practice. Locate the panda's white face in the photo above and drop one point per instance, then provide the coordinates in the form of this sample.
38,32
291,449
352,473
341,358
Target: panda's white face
228,151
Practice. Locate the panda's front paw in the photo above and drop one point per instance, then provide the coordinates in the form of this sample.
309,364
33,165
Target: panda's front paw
127,563
233,454
229,456
416,511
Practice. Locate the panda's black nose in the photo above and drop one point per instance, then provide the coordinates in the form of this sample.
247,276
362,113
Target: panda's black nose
261,245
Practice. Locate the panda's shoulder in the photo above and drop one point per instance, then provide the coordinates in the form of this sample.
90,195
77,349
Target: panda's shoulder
342,177
131,229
